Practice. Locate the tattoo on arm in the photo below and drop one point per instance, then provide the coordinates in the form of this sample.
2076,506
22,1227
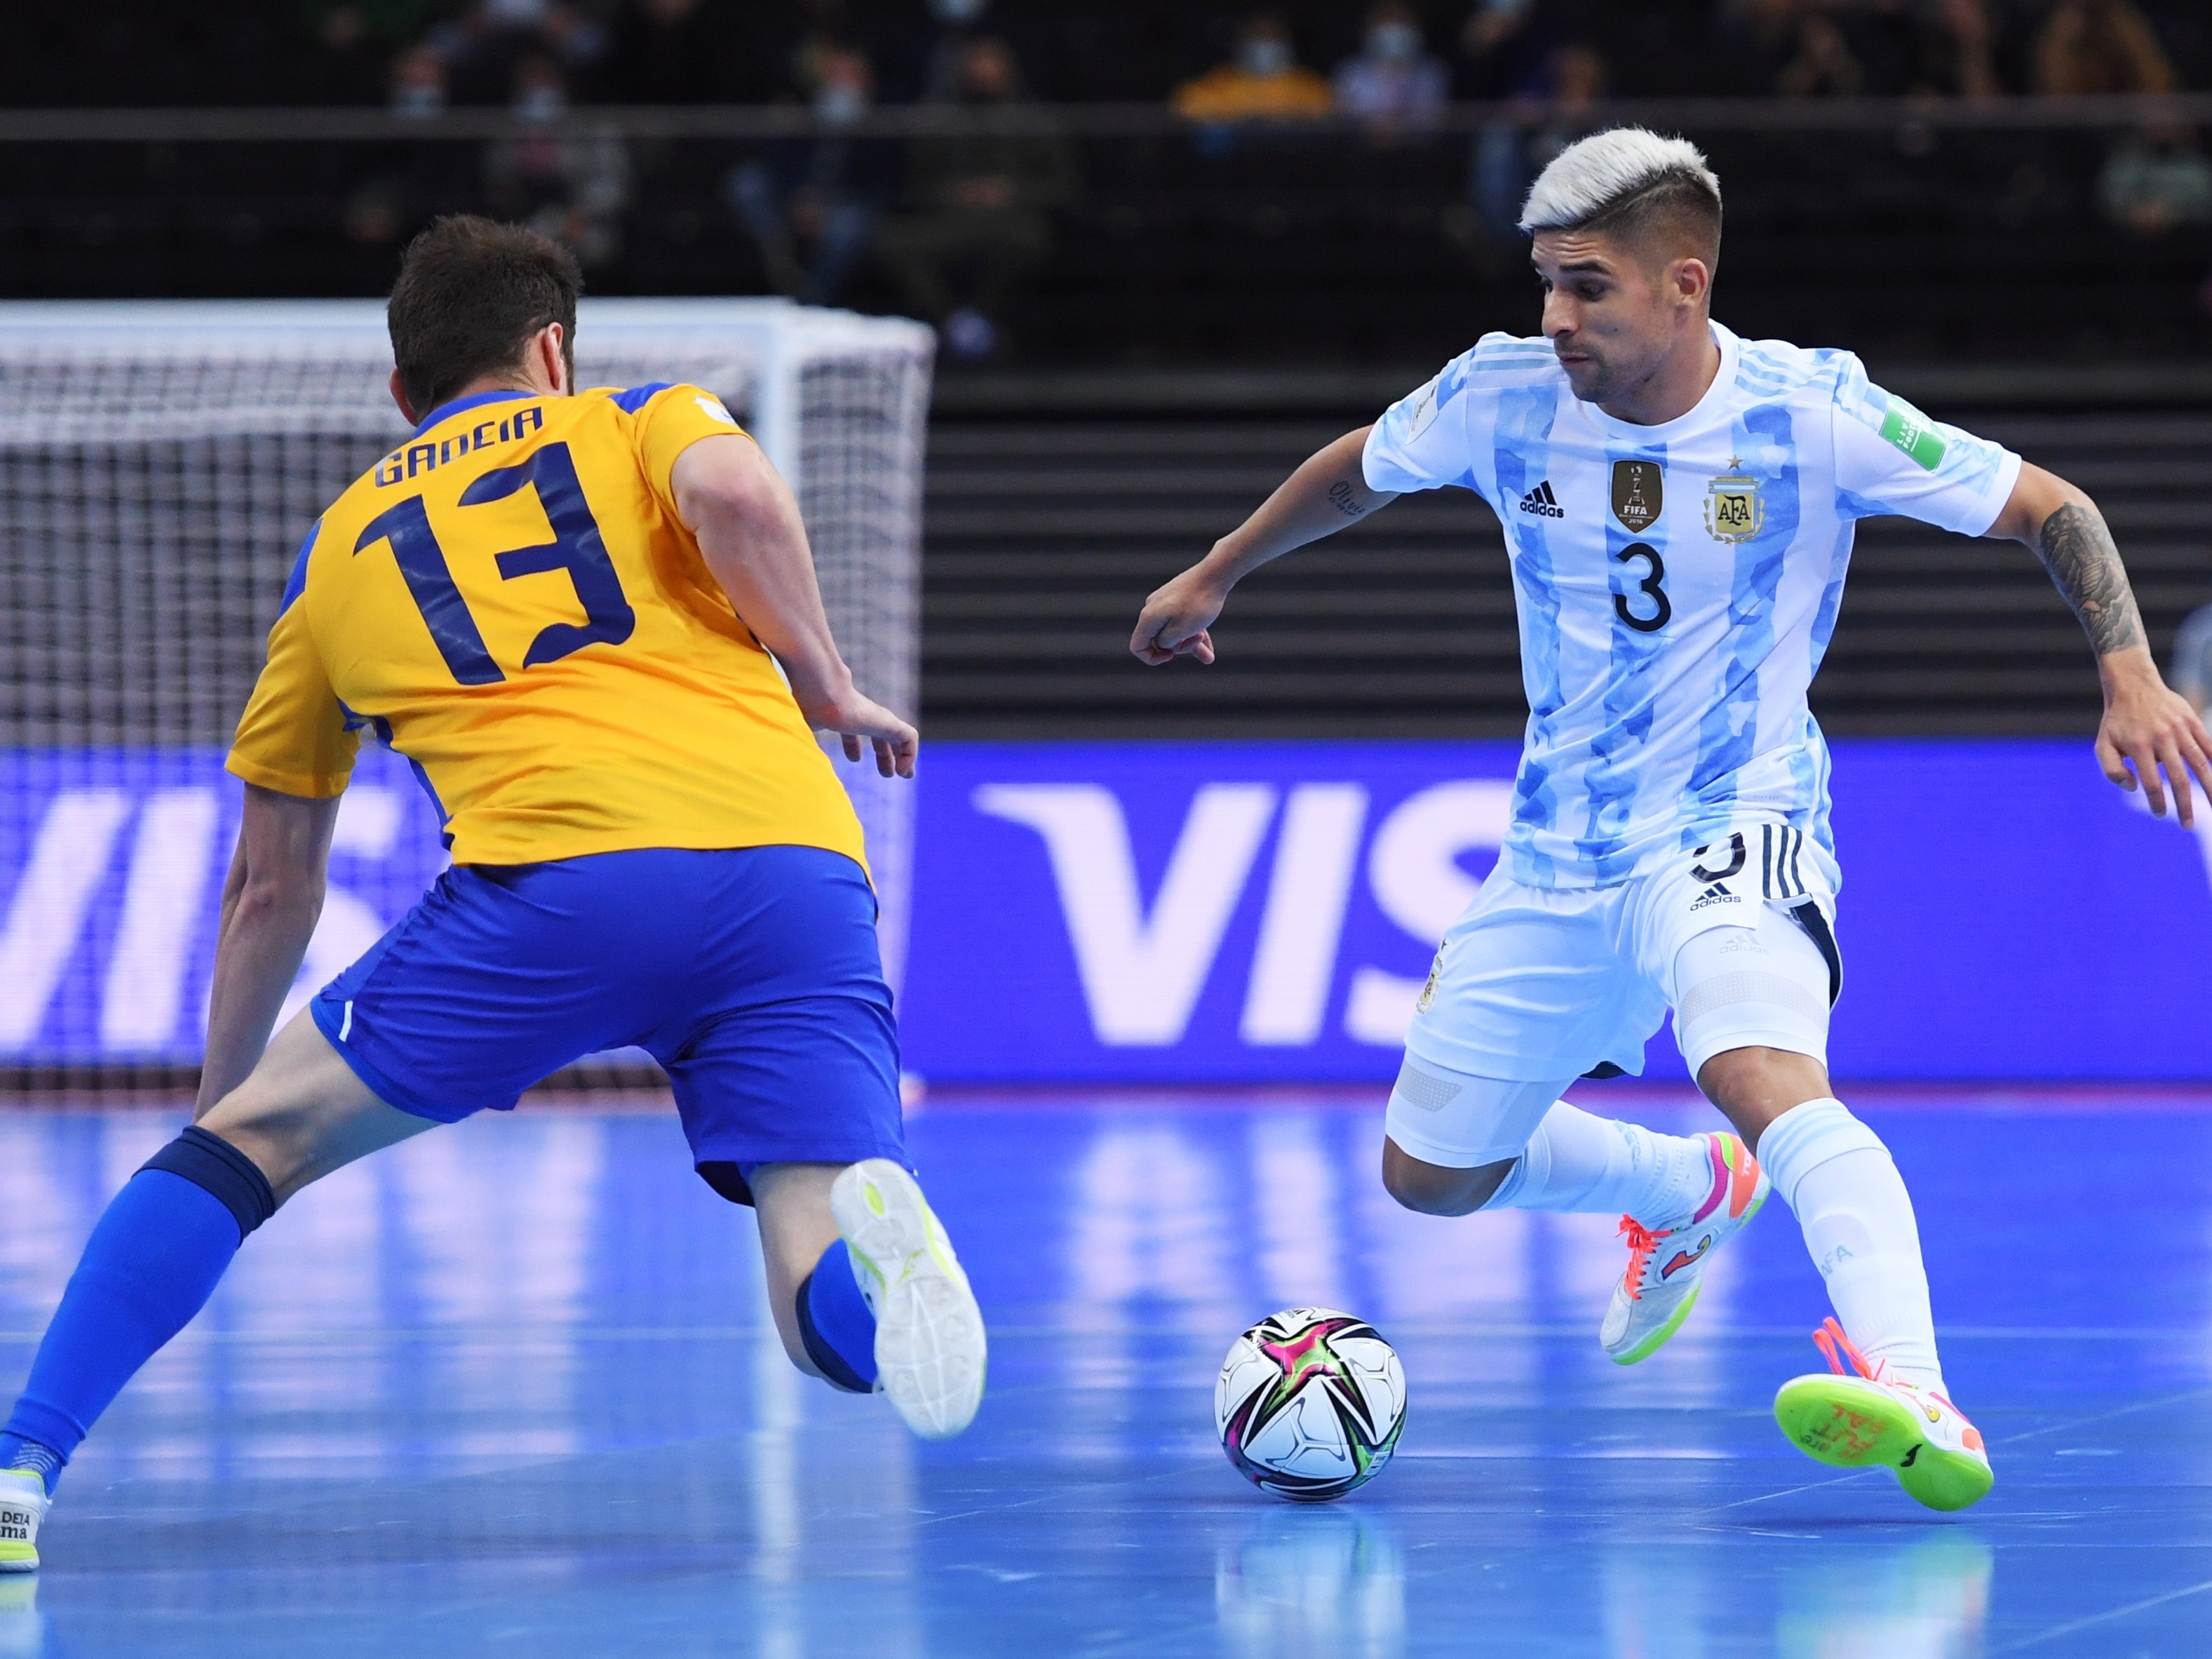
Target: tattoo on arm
1341,498
2077,550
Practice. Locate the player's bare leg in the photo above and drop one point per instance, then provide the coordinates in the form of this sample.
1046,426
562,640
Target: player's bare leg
1890,1405
1438,1189
303,1113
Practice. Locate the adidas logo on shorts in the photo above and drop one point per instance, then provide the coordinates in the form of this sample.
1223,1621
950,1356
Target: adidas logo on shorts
1544,504
1715,894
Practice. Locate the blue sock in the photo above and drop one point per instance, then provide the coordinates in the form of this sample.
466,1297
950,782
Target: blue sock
19,1454
834,1322
152,1262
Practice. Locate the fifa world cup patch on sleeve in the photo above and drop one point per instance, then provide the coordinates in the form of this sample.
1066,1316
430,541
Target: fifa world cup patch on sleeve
1914,433
1421,413
712,410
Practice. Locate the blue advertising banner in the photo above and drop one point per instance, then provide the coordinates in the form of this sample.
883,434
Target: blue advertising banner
1257,912
1230,913
111,863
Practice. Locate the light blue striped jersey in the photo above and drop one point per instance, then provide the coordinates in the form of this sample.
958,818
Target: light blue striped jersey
1677,584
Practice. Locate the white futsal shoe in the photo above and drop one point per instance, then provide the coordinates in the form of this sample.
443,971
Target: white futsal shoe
1856,1421
22,1505
1666,1265
930,1346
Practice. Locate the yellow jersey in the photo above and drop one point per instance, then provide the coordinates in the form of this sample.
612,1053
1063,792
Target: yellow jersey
510,601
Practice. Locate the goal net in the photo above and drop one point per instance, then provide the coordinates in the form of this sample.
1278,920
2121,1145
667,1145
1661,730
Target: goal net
159,465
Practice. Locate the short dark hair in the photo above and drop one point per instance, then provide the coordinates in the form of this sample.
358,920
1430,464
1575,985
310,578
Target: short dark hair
471,295
1676,210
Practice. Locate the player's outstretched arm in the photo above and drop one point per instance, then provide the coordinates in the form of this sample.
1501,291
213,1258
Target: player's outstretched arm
2145,725
748,530
271,900
1327,493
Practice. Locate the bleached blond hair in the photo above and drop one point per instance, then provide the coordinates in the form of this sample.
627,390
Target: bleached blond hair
1618,175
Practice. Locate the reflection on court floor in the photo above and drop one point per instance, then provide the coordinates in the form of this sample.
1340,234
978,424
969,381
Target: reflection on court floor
511,1388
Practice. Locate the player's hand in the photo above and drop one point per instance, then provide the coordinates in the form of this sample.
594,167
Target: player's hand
2152,728
862,721
1176,618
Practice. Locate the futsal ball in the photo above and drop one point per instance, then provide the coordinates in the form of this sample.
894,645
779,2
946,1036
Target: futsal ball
1309,1404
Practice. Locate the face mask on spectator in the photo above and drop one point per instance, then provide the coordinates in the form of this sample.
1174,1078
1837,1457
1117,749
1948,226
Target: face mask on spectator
541,103
1266,56
1393,41
418,99
957,11
840,102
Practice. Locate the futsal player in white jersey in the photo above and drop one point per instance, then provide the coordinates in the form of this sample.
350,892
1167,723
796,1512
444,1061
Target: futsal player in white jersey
1679,505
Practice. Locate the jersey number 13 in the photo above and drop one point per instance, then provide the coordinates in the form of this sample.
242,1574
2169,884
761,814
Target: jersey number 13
576,548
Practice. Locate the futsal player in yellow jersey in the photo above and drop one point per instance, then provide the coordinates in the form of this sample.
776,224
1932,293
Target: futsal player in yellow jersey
568,609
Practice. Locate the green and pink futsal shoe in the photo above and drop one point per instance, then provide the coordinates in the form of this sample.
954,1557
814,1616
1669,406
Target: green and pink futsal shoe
1666,1265
1857,1418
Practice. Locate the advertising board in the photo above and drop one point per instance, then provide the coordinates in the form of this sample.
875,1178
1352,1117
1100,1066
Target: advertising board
1267,911
1213,913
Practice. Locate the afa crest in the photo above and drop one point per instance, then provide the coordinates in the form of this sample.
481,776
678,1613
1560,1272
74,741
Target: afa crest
1735,509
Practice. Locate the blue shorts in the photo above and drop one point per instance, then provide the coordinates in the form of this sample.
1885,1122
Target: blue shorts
751,974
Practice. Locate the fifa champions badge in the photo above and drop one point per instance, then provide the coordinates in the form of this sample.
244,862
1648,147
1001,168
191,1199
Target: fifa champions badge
1637,494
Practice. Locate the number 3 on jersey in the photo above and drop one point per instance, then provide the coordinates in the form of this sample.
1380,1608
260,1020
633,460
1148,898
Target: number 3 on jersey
576,547
1663,607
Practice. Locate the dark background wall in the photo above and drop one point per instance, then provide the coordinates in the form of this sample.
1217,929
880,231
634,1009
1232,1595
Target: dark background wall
1943,188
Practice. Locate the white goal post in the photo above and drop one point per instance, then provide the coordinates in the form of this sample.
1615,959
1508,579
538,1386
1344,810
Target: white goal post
160,463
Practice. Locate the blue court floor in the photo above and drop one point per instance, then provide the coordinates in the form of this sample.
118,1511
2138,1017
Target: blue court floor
511,1389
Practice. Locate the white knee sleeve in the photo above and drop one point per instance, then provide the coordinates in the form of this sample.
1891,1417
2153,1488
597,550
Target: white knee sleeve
1461,1122
1762,987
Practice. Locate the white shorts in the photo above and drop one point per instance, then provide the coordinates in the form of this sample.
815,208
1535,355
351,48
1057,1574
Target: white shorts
1540,987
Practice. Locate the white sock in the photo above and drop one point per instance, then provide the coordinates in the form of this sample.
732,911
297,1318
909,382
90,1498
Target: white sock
1586,1165
1838,1178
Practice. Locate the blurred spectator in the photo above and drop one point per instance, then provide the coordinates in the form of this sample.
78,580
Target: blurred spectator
418,82
2192,658
672,52
407,184
1501,49
1264,81
2088,46
811,205
1887,37
1393,84
981,215
1824,65
935,63
1755,38
485,48
2155,180
1959,50
1507,156
563,180
815,27
354,43
959,23
918,60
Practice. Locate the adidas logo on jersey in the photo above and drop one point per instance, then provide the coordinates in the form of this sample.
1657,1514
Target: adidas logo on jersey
1541,502
1715,894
